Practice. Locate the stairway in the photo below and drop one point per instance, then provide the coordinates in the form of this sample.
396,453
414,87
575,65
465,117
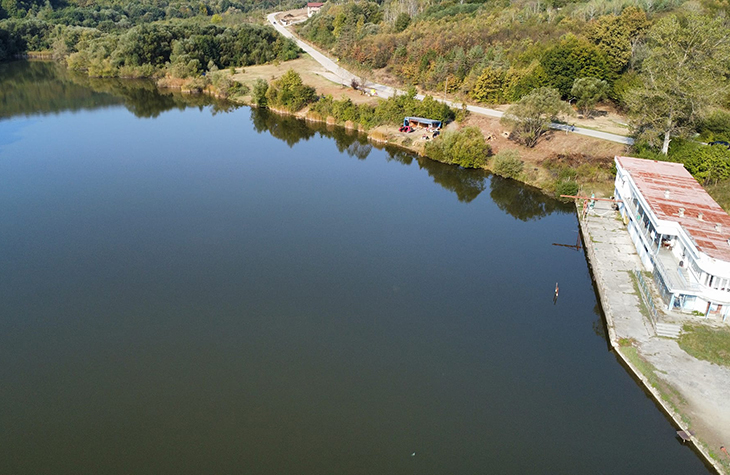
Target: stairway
668,330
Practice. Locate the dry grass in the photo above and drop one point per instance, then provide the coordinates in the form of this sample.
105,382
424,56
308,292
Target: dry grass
312,73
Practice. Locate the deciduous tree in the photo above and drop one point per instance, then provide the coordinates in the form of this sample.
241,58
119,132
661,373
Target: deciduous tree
617,36
290,92
489,87
258,94
683,76
587,92
530,118
571,59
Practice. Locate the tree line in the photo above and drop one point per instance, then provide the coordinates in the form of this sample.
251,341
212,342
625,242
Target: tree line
494,54
142,39
666,64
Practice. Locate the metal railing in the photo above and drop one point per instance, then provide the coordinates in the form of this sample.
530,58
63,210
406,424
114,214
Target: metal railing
640,225
645,292
675,281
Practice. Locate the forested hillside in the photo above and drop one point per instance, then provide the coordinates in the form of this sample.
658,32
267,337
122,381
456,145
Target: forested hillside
665,63
142,38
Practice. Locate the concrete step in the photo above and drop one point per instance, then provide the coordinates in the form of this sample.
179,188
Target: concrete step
668,330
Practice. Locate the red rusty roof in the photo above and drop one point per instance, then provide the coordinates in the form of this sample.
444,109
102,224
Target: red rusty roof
654,179
314,4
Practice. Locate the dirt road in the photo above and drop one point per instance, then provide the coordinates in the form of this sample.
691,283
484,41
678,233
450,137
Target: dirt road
347,77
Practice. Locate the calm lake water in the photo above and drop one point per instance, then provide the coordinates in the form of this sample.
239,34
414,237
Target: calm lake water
191,288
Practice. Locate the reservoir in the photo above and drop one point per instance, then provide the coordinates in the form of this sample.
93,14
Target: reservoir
188,287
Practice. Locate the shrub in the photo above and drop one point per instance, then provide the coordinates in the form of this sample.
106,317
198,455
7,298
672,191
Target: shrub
709,164
566,187
465,147
716,126
566,173
195,85
260,87
290,92
507,163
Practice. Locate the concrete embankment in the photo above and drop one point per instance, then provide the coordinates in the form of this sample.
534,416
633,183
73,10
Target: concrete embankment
694,394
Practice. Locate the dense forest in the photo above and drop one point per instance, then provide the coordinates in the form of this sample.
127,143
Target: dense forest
665,63
142,38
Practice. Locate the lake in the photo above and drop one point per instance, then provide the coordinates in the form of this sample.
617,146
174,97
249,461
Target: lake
188,287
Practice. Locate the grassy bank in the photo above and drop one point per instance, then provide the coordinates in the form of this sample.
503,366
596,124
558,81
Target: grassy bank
670,395
706,343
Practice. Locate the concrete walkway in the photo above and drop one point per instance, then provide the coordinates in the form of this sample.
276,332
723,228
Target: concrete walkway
704,386
346,77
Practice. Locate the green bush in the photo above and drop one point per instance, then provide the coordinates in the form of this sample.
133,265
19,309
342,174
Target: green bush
566,173
716,126
258,96
290,92
710,164
566,187
402,21
389,111
507,163
465,147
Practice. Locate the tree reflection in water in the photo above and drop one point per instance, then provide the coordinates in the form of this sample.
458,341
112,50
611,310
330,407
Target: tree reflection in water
466,184
30,87
524,202
44,87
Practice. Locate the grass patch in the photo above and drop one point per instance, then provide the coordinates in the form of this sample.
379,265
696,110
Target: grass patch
637,291
720,457
624,342
670,395
707,344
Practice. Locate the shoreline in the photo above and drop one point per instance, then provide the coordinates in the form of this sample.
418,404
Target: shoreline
380,137
601,263
538,177
679,420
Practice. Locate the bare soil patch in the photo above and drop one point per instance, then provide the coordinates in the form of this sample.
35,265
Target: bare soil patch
312,73
578,149
292,16
605,119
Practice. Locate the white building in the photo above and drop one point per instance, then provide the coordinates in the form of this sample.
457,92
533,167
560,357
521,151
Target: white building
681,234
313,7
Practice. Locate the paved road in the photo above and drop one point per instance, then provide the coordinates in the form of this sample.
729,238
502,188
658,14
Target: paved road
346,78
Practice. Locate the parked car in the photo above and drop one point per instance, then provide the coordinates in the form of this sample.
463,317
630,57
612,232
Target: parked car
720,142
405,128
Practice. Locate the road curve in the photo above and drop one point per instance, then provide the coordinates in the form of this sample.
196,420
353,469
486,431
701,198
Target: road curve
346,78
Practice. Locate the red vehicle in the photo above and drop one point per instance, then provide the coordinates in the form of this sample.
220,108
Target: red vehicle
405,128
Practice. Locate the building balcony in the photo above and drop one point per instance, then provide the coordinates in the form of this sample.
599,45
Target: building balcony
650,243
677,279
